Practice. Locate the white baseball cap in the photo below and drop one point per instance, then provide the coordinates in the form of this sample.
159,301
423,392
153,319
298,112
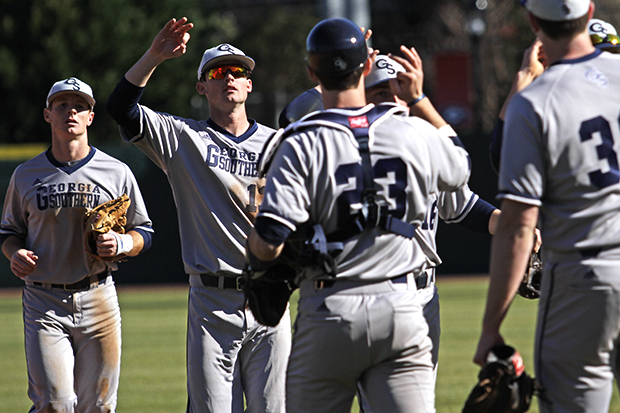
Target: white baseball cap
558,10
384,68
604,36
222,54
600,28
71,85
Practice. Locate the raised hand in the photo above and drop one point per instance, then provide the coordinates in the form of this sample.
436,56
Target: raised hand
409,85
172,40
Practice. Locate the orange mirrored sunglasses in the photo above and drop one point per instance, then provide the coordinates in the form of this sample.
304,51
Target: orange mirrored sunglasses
220,72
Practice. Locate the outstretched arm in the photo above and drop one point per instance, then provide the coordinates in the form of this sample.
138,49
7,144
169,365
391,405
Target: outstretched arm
122,104
169,43
511,249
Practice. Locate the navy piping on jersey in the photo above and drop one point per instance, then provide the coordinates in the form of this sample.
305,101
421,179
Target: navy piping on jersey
72,168
466,210
578,60
251,130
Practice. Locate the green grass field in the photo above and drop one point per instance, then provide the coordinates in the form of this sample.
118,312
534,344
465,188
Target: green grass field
154,328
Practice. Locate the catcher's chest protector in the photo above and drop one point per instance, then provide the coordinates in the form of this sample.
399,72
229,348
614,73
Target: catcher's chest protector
360,125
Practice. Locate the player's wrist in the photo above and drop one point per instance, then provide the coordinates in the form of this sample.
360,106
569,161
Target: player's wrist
124,243
416,100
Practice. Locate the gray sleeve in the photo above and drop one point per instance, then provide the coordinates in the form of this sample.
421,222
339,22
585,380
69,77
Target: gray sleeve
286,198
522,174
450,163
454,206
158,137
137,215
13,218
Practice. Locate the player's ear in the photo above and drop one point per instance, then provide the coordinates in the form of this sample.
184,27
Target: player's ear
200,88
249,86
311,75
368,65
91,117
47,115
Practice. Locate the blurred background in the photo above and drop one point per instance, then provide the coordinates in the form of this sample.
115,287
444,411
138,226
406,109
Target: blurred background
470,49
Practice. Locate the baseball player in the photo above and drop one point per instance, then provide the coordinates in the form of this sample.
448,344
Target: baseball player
211,168
559,165
462,207
72,321
603,36
365,326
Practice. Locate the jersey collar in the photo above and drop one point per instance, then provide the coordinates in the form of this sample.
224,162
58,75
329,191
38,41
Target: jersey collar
578,60
69,169
251,130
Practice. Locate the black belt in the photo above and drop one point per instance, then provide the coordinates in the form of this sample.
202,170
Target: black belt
223,282
82,285
421,281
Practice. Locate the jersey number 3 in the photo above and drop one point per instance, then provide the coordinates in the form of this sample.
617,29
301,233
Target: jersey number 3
605,151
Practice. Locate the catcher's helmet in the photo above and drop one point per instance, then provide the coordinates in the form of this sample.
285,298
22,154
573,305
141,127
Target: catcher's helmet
336,47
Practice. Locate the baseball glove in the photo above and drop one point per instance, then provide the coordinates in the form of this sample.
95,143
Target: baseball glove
111,215
530,285
267,296
503,386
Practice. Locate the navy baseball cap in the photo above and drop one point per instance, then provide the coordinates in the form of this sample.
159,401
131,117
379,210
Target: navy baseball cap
68,86
223,54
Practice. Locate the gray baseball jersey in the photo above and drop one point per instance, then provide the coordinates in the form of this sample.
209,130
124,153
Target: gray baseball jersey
321,169
560,152
206,165
45,205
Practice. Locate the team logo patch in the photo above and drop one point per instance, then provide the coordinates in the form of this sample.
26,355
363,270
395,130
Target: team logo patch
358,122
595,76
340,64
